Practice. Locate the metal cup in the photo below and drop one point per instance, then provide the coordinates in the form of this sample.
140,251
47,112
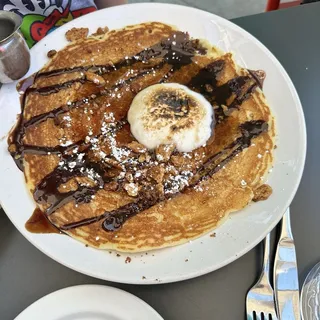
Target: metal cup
14,52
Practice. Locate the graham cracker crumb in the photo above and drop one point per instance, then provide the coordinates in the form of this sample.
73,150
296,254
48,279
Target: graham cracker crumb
100,31
164,152
112,186
51,53
137,147
262,193
76,34
213,235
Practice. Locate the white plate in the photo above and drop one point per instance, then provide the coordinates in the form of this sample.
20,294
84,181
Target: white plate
89,302
243,230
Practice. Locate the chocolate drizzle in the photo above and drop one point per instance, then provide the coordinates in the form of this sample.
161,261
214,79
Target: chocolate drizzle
16,139
46,192
114,219
249,130
70,166
56,87
259,76
94,95
177,51
208,76
206,82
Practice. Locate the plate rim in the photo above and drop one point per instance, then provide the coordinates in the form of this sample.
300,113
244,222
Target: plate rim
250,245
83,287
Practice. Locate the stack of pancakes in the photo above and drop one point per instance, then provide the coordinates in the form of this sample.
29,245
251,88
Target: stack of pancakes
91,178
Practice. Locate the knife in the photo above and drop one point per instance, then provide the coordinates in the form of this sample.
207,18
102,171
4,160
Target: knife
285,275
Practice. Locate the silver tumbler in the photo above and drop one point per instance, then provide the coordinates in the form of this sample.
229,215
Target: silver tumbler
14,52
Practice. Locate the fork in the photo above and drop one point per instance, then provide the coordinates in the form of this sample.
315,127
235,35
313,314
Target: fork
260,298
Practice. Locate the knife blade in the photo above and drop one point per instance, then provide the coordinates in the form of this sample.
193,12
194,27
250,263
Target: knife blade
286,282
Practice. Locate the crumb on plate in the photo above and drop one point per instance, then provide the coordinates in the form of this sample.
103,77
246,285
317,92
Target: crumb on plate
128,260
262,193
51,53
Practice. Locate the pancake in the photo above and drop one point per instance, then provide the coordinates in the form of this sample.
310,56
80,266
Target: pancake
89,176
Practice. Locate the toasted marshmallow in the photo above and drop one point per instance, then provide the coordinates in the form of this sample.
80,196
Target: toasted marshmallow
170,113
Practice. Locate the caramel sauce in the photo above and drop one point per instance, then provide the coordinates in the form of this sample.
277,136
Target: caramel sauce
39,223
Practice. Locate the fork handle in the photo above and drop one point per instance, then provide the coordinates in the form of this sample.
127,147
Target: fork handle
266,259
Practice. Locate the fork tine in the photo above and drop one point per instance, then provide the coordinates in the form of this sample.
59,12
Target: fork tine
254,315
269,316
258,316
260,298
273,317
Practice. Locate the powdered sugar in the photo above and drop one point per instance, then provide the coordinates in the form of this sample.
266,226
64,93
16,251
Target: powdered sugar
175,183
